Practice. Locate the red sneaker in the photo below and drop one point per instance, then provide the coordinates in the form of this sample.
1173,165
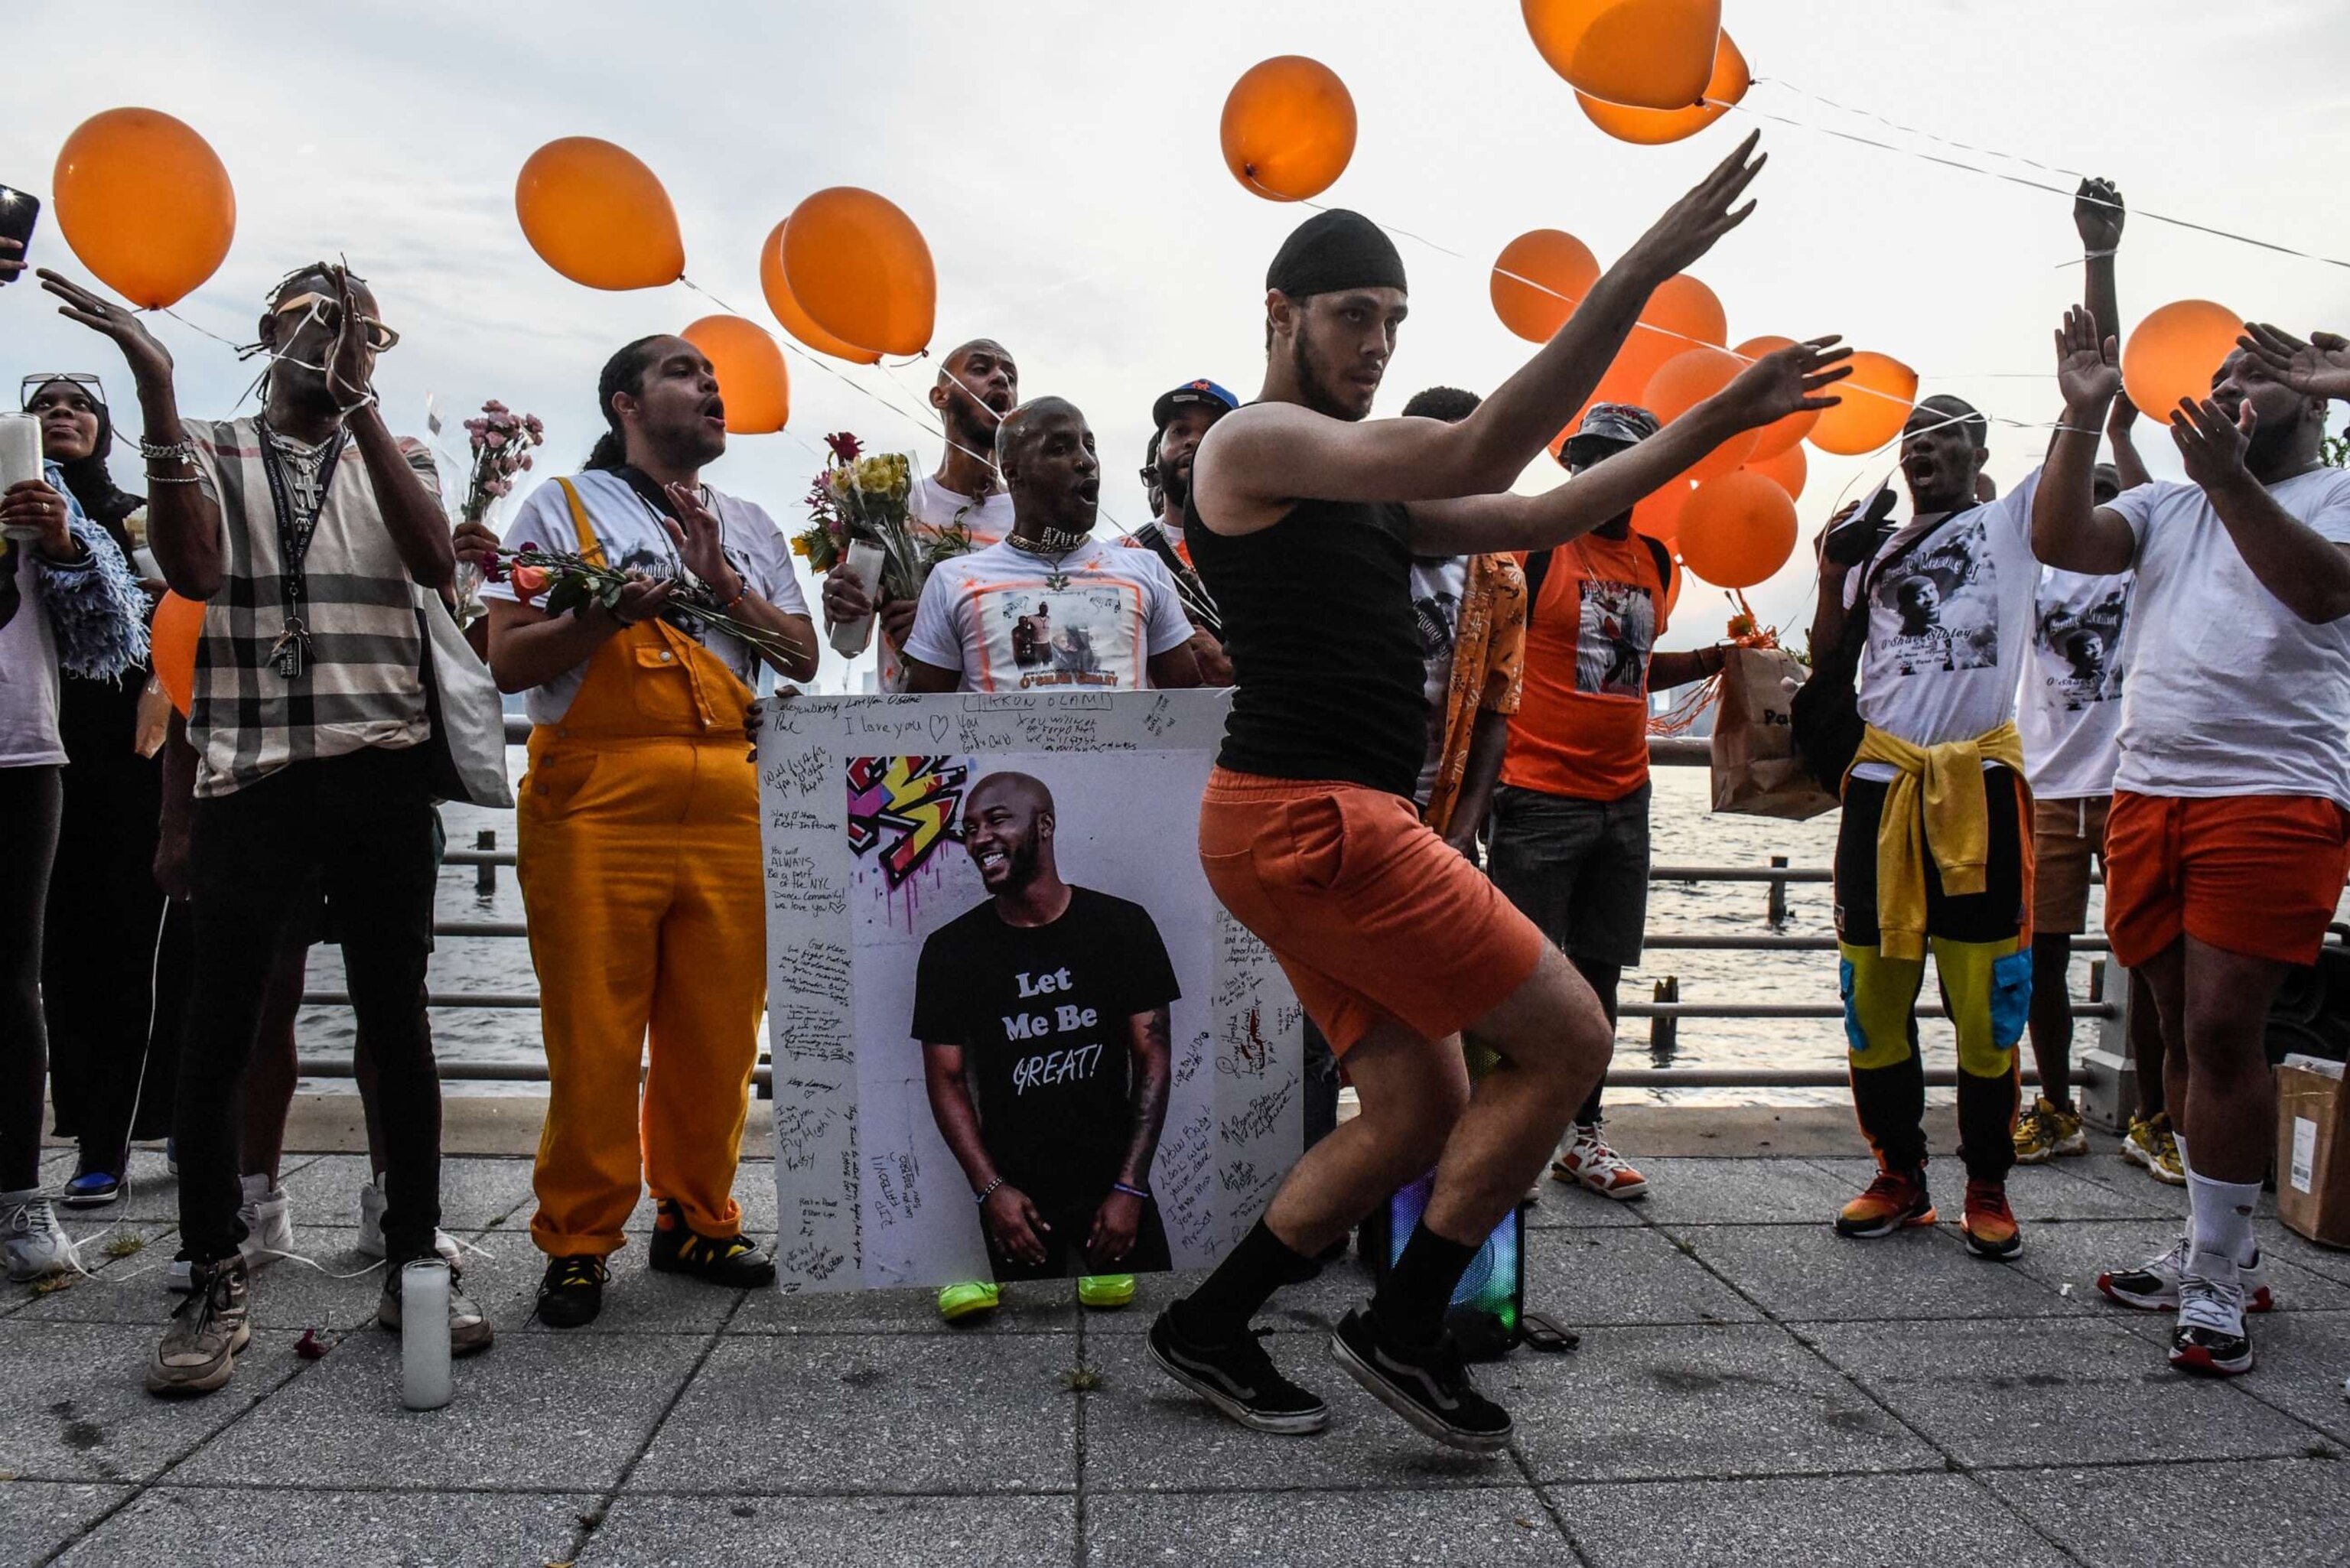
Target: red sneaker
1892,1202
1988,1223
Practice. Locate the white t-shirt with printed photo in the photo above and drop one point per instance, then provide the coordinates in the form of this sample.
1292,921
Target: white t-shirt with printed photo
634,540
2070,709
1007,620
931,507
2230,692
1436,585
1949,624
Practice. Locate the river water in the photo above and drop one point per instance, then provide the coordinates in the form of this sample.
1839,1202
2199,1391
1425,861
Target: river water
1685,832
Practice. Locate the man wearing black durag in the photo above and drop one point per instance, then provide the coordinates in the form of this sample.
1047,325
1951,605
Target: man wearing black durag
1394,942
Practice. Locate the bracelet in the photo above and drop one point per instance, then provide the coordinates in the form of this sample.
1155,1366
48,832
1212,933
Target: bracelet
366,402
175,479
989,1190
740,595
1129,1191
181,450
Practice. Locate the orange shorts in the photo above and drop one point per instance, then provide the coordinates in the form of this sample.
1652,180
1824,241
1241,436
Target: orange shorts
2253,873
1370,913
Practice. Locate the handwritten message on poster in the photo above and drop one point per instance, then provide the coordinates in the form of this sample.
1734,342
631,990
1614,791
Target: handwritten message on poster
908,842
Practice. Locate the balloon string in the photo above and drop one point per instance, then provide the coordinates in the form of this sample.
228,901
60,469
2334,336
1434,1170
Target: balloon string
1786,86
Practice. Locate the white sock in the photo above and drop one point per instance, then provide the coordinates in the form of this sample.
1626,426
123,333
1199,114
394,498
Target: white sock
257,1186
2223,1216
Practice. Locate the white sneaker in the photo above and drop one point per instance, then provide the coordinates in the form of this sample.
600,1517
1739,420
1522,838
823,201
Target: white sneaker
2153,1285
2210,1337
269,1231
1585,1160
35,1243
371,1242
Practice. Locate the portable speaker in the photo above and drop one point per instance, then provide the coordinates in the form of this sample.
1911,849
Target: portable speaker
1487,1314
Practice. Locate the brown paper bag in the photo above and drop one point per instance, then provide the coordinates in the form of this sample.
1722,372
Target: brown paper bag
1756,769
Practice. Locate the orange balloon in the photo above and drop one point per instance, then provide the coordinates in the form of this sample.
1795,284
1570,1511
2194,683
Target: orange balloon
1787,469
1684,381
778,290
1649,54
752,378
1658,512
1538,280
145,203
2175,352
1288,128
171,640
861,270
1681,314
1878,396
1737,530
594,213
1787,433
1654,127
1673,589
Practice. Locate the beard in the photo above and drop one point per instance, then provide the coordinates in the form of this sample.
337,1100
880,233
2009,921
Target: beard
1176,487
1311,390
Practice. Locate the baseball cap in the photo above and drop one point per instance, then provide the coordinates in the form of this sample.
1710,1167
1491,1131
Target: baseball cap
1200,391
1611,425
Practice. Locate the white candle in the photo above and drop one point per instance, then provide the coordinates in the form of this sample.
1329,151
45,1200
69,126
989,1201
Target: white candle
20,458
864,564
424,1335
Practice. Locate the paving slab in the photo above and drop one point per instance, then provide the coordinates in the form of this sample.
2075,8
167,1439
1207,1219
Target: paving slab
2076,1254
1736,1192
2058,1190
2054,1391
2269,1511
125,1289
1313,1306
1741,1399
1931,1520
474,1193
234,1528
2334,1262
39,1517
1039,1306
530,1412
2302,1360
1598,1276
75,1405
1562,1203
1496,1526
810,1413
1805,1274
758,1531
504,1285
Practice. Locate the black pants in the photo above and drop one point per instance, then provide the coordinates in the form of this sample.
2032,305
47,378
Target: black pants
108,958
1071,1220
29,800
359,826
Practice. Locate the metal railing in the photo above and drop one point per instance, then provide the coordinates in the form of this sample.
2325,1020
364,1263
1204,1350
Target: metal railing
1664,1013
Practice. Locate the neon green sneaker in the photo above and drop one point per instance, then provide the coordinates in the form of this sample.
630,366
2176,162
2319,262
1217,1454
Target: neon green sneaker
1105,1292
969,1299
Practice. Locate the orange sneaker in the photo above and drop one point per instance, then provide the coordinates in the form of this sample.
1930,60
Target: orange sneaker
1892,1202
1988,1223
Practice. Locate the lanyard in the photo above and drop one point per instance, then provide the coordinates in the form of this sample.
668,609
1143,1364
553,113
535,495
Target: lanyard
291,653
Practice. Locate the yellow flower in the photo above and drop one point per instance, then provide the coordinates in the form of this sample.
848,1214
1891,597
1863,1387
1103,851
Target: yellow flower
799,547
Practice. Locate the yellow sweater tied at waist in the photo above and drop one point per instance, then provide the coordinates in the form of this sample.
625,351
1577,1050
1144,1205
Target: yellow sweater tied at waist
1936,799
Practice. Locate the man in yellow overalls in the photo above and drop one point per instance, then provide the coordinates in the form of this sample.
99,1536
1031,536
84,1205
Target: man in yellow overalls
638,834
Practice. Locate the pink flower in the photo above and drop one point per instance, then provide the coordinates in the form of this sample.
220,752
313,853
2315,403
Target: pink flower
499,486
526,460
844,445
530,422
494,439
494,407
529,582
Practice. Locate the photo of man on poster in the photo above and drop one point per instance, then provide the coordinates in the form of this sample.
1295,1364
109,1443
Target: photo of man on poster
1042,1015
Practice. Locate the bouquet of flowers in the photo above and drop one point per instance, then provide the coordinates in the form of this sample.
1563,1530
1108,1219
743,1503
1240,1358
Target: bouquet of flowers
865,498
571,582
501,441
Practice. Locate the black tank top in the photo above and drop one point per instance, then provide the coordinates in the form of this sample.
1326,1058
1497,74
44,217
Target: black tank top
1326,653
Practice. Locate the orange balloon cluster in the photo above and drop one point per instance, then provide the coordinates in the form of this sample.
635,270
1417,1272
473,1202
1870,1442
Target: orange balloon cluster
1738,529
1773,438
1538,280
145,203
1878,396
2175,352
1643,54
1684,381
172,647
1654,127
1788,470
1288,129
796,321
856,263
593,213
751,380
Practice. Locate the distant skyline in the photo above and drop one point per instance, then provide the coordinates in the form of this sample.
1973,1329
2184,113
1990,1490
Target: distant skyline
1061,159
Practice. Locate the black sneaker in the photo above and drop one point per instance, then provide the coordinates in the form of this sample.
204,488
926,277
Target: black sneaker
1426,1385
1238,1379
677,1248
2210,1337
572,1294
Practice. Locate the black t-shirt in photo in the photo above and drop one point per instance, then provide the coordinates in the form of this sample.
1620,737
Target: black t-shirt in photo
1041,1015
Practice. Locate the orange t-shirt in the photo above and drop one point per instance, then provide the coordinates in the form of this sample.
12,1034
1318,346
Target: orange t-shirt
1582,725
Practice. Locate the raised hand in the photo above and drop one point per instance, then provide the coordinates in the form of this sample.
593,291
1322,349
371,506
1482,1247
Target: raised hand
1691,225
11,259
350,363
149,361
1789,380
2212,444
2123,415
2098,213
698,543
2317,368
2088,368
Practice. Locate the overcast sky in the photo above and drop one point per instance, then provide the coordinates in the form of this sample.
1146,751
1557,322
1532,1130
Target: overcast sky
1061,159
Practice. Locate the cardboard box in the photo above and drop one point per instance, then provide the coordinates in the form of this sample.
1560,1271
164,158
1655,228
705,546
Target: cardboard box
2314,1149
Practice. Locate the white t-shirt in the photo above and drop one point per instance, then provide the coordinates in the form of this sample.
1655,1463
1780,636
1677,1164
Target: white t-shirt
932,507
1436,589
1948,627
2230,692
2070,709
634,539
1011,621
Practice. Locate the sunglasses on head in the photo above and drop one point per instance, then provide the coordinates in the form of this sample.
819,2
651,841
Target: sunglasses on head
88,385
329,312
